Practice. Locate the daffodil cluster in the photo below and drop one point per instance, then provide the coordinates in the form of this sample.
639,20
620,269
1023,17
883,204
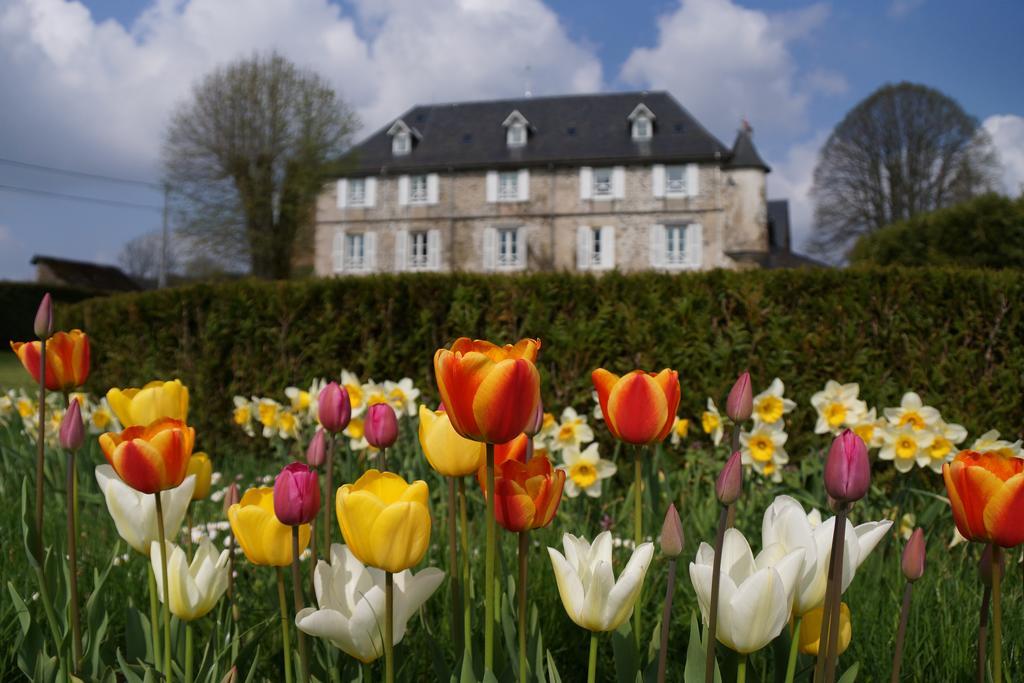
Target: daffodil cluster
20,410
573,439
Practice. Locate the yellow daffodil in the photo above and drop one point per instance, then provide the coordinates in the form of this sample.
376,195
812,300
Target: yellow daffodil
762,449
242,415
711,422
26,406
771,404
906,446
266,412
264,540
912,412
402,396
680,428
548,429
287,424
140,407
300,399
947,436
871,429
354,388
838,407
584,470
447,452
989,442
356,433
573,431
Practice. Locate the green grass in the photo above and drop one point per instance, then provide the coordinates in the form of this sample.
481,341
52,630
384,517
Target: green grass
12,374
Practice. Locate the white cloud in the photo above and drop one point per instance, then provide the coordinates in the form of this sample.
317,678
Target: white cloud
901,8
791,178
724,62
1007,131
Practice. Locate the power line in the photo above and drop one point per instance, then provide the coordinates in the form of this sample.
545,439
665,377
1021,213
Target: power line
80,174
81,198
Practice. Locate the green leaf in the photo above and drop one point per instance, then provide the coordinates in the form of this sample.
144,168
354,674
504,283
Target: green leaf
624,648
850,675
696,656
553,676
467,675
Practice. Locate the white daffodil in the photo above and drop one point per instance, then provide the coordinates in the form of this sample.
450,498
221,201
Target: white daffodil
680,428
762,448
6,407
356,433
300,399
101,418
267,410
134,513
592,596
195,588
711,422
771,404
402,396
374,393
786,525
990,442
548,428
351,601
25,405
356,398
315,387
906,446
243,414
871,429
912,412
838,407
598,415
584,470
755,596
288,424
946,436
573,431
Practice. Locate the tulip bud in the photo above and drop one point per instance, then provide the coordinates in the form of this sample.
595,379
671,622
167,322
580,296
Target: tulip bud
296,495
381,426
913,556
231,497
985,565
740,404
672,533
847,469
334,408
72,432
730,480
199,465
536,422
43,326
316,452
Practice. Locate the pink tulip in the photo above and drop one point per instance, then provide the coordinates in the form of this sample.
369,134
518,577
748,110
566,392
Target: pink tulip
381,426
316,453
847,469
536,422
913,556
334,408
671,539
729,484
43,326
740,404
296,495
231,497
72,432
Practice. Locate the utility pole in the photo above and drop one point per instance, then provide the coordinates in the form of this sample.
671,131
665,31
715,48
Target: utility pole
161,281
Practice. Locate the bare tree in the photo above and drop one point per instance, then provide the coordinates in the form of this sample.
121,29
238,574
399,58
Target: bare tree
247,156
904,150
140,257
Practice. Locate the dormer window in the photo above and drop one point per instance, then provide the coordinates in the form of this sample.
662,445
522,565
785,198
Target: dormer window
401,138
516,129
642,123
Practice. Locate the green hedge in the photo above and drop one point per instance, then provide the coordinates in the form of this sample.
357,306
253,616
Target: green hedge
21,301
954,336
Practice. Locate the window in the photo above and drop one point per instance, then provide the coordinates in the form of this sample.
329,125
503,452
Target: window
401,143
355,251
516,136
595,247
508,186
675,246
508,248
357,191
675,181
418,193
603,182
419,250
641,128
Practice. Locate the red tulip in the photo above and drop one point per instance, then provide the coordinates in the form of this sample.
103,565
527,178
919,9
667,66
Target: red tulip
381,426
847,469
296,495
986,492
504,452
67,359
526,495
334,409
316,453
151,458
639,407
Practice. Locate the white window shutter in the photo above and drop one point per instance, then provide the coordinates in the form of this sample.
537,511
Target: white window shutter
694,245
523,185
370,250
490,245
656,237
492,186
618,182
584,246
434,249
608,247
521,248
658,180
338,251
432,188
692,188
586,182
403,190
401,250
371,192
342,193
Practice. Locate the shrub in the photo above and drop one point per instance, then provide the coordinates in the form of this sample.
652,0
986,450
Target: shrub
952,335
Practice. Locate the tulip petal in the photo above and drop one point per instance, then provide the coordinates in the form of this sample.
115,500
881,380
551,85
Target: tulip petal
400,536
975,486
506,400
622,597
637,407
357,513
595,598
1004,513
755,614
570,588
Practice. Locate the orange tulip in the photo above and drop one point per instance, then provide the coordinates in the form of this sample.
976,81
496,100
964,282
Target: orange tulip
638,407
504,452
151,458
526,495
490,392
986,492
67,359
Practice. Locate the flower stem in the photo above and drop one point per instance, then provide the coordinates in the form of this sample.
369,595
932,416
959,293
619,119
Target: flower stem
741,669
489,566
835,570
231,598
638,537
666,620
901,632
794,650
986,599
524,551
188,531
592,665
166,585
716,579
384,459
453,569
76,624
286,640
297,595
997,614
389,627
154,622
40,451
328,500
188,652
467,601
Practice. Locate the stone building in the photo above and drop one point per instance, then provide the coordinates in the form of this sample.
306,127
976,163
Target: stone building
627,181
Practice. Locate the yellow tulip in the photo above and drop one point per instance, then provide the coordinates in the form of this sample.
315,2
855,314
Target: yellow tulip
199,465
385,521
810,630
447,452
150,403
264,540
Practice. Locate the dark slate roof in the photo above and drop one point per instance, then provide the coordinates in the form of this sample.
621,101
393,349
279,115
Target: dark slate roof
744,154
778,224
87,275
570,129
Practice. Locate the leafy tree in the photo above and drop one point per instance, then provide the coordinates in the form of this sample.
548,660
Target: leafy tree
904,150
248,154
986,232
140,257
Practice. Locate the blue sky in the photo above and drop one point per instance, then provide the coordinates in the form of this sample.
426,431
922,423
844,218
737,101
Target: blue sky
95,81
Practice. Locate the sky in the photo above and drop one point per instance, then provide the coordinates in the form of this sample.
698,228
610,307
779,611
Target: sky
89,85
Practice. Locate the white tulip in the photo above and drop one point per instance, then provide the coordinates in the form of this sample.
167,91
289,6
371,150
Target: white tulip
787,526
755,595
592,596
195,588
352,603
134,513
